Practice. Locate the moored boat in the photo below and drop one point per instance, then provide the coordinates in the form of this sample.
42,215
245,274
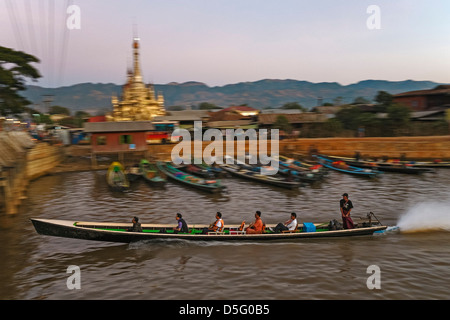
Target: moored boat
386,166
151,174
116,177
118,232
341,166
209,185
248,174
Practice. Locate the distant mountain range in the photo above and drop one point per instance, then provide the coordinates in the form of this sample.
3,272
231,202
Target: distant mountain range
268,93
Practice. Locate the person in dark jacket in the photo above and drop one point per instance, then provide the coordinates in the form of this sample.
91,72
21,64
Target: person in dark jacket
136,225
182,225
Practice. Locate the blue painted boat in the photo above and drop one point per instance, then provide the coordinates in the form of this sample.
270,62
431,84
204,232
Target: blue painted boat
341,166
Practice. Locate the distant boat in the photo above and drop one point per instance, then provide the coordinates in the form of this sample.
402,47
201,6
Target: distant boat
116,177
305,173
209,185
386,166
248,174
341,166
151,174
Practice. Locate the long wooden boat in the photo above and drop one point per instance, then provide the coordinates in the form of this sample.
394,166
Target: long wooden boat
151,174
305,173
116,177
209,185
248,174
399,167
341,166
195,170
117,232
301,165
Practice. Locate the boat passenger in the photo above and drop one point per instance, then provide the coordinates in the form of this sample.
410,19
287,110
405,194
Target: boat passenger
289,225
217,226
136,225
257,226
346,206
182,225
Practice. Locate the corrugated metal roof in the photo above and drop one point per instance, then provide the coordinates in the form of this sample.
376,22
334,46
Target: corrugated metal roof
118,126
305,117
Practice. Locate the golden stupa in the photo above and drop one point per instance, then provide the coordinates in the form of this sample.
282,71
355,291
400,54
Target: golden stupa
138,101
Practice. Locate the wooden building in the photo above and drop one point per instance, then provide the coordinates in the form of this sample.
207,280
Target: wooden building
424,100
124,137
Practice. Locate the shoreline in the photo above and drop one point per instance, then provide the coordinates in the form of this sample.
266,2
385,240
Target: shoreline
424,148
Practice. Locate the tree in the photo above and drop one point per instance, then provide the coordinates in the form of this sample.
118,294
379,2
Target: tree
361,100
349,117
293,105
282,123
59,110
383,99
15,68
207,106
398,115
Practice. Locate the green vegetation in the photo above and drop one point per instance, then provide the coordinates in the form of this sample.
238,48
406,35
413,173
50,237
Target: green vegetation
15,68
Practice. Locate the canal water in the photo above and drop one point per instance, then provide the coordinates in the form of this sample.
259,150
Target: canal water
414,264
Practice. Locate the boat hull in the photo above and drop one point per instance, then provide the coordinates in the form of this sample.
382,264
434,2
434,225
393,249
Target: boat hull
86,231
212,188
117,178
362,172
249,175
384,166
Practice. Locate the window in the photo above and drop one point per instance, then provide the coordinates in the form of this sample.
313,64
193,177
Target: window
101,140
125,139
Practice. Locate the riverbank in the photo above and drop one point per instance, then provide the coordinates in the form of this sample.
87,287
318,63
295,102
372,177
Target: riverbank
78,158
25,161
21,161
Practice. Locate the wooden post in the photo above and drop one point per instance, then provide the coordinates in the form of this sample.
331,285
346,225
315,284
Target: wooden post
94,160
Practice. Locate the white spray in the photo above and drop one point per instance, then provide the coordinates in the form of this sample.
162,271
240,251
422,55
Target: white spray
426,216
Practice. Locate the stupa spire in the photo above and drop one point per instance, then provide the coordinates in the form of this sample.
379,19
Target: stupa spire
137,69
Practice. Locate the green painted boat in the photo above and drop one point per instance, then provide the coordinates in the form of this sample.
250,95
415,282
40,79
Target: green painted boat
118,232
208,185
151,174
116,177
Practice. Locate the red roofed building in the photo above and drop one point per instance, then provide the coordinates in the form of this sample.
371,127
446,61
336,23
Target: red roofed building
425,100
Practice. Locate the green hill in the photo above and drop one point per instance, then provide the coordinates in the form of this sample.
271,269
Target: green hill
261,94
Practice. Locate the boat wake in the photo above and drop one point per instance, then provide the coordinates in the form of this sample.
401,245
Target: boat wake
426,216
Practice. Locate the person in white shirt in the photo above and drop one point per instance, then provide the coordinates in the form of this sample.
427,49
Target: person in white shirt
217,226
290,224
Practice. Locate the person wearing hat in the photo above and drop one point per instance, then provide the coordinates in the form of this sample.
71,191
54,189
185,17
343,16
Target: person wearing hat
346,206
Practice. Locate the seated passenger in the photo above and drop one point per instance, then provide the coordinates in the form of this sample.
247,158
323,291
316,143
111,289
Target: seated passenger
136,225
288,225
182,225
257,226
217,226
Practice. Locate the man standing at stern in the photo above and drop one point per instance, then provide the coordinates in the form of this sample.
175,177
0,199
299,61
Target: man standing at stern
346,206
